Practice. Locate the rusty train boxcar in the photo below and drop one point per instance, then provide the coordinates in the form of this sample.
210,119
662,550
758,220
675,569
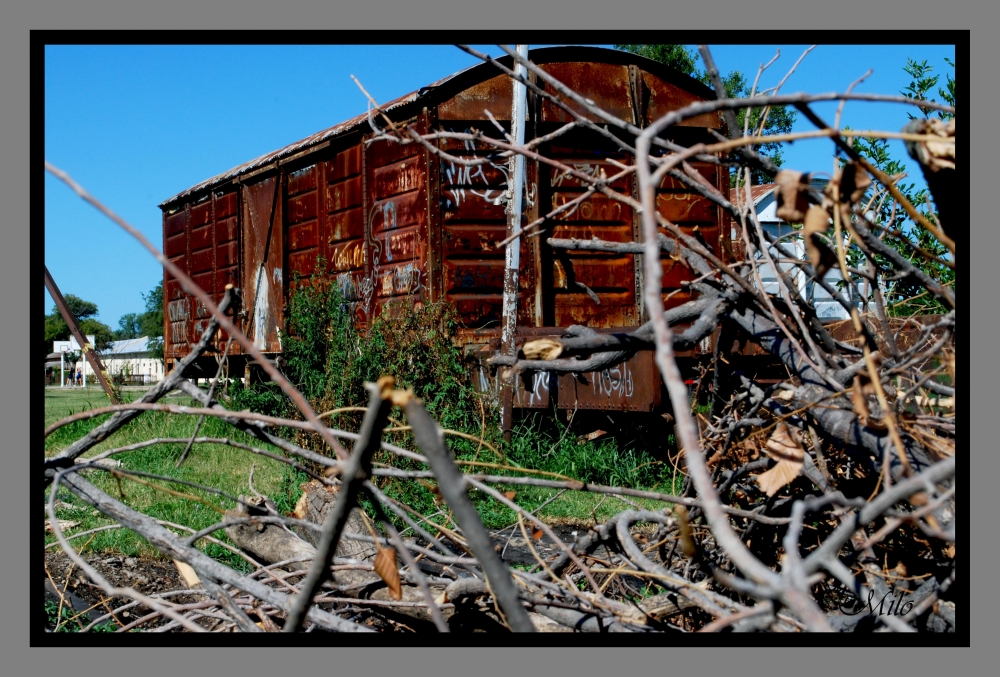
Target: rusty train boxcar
395,225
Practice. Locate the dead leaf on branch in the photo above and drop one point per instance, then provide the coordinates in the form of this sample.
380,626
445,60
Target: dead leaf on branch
385,567
791,195
786,450
852,181
935,155
542,349
820,255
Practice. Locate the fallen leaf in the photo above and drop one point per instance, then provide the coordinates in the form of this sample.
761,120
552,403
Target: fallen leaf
786,395
782,445
509,495
778,476
542,349
385,567
589,437
786,450
933,155
684,531
790,195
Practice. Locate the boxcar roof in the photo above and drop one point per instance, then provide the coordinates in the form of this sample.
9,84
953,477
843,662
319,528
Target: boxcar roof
448,87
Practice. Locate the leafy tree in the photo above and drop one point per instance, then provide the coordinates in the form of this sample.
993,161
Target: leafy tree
776,120
151,321
129,327
903,296
923,82
85,313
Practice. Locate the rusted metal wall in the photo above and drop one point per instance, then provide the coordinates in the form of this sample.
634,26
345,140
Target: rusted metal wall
203,239
397,226
263,276
396,233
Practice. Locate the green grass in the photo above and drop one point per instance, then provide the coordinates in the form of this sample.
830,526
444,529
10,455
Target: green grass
537,443
71,622
218,466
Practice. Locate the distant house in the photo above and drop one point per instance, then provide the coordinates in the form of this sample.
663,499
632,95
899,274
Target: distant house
765,202
130,359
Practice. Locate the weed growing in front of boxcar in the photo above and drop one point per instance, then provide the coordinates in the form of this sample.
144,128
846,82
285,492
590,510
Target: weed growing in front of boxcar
329,358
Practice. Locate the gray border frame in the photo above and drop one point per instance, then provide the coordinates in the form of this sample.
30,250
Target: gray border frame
761,17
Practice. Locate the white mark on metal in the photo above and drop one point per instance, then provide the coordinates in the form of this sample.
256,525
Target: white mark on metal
615,380
261,314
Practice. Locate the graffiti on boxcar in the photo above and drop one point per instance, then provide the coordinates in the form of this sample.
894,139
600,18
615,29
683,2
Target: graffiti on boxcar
261,313
615,380
587,169
464,175
387,210
177,310
539,388
349,256
688,201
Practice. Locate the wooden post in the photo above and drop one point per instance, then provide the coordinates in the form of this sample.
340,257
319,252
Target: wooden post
512,260
86,348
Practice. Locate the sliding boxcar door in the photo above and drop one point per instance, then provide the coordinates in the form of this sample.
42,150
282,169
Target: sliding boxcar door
263,276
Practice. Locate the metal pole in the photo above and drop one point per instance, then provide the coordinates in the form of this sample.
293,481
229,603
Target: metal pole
512,260
62,368
88,350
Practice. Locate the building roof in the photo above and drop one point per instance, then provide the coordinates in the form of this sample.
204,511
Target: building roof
128,346
758,193
444,88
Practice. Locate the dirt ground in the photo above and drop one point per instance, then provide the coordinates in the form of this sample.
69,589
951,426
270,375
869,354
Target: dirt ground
146,575
149,575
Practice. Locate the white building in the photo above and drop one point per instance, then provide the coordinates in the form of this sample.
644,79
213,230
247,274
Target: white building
130,358
766,206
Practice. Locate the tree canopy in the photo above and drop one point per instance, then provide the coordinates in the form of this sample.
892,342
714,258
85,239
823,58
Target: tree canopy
85,313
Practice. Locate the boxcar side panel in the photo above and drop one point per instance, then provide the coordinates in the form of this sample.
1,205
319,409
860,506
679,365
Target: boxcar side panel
176,304
344,228
397,224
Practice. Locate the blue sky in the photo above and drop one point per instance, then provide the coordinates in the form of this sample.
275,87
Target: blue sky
136,124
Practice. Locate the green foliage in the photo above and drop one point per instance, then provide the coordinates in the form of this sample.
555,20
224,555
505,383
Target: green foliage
329,358
128,327
904,296
263,398
678,57
147,323
767,121
102,333
923,82
71,622
151,321
85,313
79,308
